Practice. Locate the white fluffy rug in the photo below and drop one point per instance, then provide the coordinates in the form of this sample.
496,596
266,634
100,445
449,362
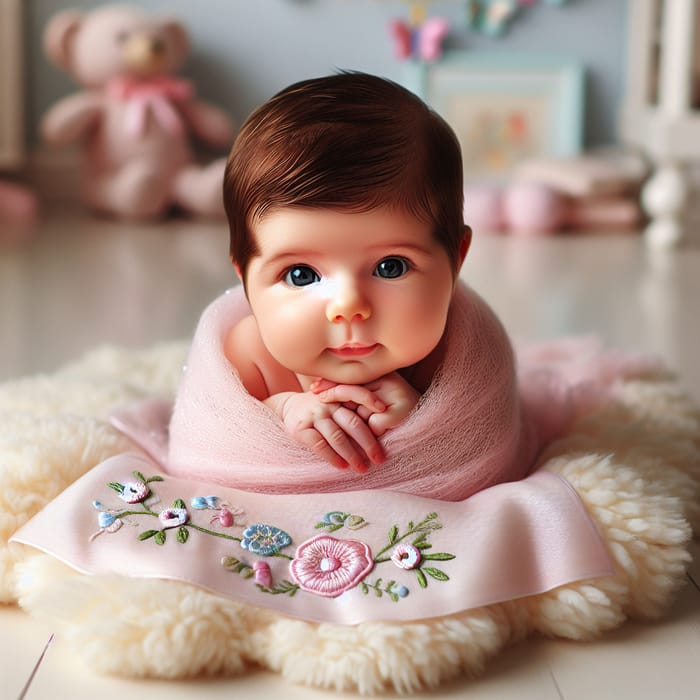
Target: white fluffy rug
635,465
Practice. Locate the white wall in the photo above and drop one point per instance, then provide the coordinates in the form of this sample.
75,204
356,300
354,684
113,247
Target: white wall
245,50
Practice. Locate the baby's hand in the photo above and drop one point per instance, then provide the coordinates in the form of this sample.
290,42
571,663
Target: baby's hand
333,431
399,397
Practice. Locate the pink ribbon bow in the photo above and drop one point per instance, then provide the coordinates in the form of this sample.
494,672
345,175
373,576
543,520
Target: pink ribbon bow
155,95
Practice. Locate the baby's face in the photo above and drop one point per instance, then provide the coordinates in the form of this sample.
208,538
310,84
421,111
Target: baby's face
348,296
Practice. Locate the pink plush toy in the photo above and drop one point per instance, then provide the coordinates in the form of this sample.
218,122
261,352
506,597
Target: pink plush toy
531,208
134,118
18,211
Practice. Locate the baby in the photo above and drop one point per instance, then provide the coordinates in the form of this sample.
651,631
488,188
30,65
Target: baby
344,199
351,341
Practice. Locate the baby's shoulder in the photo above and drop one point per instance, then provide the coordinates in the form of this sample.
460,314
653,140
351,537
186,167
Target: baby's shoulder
244,349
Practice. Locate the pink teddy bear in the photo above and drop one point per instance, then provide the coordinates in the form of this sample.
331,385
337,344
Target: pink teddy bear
19,208
134,118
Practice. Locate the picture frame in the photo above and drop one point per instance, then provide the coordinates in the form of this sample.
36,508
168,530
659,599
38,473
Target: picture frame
504,108
11,95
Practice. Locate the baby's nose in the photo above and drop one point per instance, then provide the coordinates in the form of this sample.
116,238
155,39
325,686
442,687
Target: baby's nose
348,304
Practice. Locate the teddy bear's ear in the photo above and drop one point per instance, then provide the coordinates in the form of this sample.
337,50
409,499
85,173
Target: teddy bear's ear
178,35
59,35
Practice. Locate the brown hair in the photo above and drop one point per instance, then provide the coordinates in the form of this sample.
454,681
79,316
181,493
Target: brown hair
349,141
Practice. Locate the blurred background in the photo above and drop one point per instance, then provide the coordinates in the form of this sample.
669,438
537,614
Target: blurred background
246,50
576,118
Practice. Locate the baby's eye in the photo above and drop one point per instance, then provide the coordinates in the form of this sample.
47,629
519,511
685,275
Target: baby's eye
301,276
391,268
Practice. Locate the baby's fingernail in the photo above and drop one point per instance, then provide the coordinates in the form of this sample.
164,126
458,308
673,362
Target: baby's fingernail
342,463
361,467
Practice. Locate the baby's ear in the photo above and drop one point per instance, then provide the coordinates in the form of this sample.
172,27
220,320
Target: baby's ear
464,246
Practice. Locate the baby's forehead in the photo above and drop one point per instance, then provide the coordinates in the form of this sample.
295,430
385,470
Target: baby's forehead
330,239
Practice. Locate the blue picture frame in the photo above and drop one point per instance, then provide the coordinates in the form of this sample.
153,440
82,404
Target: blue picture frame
504,107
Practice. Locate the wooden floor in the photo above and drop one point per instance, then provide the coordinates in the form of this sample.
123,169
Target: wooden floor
83,282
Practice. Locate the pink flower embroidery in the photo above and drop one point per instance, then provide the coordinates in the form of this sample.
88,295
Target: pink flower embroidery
262,573
173,517
406,556
134,492
328,567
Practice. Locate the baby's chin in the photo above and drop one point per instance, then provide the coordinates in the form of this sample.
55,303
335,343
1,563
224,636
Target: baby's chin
351,373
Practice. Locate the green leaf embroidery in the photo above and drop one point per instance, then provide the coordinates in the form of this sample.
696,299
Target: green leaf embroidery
182,535
380,590
116,486
336,520
355,522
147,534
422,581
377,588
179,503
237,566
139,476
393,533
437,574
439,556
154,478
160,537
284,588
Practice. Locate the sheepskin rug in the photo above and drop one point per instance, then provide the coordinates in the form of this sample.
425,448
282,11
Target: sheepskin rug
635,465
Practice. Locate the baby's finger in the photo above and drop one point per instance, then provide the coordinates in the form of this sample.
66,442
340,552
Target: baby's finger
345,393
361,411
318,444
379,423
321,384
357,429
337,438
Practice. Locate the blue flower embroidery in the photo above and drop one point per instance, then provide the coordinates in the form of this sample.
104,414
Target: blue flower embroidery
264,540
205,502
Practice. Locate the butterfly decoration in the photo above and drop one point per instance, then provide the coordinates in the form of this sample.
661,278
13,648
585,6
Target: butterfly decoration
421,41
492,17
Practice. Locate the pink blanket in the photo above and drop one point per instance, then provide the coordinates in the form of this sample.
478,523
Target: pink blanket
343,558
455,506
468,432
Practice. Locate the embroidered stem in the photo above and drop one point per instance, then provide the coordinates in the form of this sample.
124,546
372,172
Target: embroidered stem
284,588
123,513
427,524
206,531
391,589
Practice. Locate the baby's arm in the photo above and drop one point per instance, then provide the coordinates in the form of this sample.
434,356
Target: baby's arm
392,389
334,432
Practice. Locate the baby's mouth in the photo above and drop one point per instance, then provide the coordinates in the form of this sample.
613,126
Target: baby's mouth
353,350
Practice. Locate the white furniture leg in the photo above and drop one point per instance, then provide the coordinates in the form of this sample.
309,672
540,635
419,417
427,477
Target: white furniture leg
664,199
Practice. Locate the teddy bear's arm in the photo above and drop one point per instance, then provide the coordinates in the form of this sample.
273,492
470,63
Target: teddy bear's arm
71,118
209,123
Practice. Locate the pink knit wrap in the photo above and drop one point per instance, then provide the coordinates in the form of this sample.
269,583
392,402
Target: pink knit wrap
469,430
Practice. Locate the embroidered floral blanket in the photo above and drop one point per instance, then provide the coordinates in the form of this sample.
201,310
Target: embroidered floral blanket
335,557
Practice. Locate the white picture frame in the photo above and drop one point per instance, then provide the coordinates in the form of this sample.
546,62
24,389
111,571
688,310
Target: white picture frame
11,78
504,108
